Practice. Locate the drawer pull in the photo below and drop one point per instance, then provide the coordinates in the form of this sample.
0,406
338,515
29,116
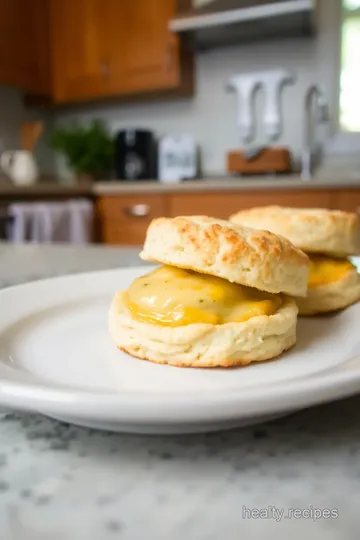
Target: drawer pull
138,210
170,57
104,68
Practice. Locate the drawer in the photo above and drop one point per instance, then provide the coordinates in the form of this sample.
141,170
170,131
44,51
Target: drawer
124,220
347,200
222,204
130,206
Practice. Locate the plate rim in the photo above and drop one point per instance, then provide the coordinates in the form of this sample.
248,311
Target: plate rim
141,407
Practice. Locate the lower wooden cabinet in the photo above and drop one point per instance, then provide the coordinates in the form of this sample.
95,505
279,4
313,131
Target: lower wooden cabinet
347,200
124,219
222,204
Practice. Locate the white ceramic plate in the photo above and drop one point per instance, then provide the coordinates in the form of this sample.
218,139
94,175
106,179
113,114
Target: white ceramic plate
56,358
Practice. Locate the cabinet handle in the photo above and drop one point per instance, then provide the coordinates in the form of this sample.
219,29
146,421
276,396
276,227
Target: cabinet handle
105,68
169,57
138,210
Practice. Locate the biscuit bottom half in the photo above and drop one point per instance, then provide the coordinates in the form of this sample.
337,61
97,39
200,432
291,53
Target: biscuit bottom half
334,284
182,318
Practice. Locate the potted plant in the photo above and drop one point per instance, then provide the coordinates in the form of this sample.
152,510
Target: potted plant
89,150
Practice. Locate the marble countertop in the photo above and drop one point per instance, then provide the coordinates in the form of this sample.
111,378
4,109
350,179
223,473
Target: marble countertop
62,482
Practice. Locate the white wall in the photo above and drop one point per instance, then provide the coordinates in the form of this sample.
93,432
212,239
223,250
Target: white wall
12,114
211,114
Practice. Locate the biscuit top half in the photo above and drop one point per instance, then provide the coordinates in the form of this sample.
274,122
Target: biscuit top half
239,254
314,230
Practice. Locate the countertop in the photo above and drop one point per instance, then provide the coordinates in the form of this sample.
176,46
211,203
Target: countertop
61,482
227,184
51,189
117,187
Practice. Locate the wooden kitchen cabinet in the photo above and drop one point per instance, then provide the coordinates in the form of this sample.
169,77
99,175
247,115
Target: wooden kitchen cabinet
124,219
105,48
347,200
79,49
24,45
223,204
143,55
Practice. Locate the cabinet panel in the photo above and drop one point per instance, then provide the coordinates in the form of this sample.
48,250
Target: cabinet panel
144,55
346,199
80,56
223,204
107,48
125,219
24,45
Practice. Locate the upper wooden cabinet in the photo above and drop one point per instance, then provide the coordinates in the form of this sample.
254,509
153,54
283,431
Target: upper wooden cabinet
24,45
143,54
104,48
78,32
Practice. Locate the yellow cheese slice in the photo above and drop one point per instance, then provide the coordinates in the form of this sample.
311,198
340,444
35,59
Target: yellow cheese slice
324,270
171,296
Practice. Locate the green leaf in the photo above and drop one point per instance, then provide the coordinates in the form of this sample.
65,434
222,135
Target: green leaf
88,149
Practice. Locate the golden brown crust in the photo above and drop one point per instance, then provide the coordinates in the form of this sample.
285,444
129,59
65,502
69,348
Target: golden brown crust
314,230
239,254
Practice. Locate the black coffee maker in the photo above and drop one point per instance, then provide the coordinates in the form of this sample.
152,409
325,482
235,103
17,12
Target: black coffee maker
135,155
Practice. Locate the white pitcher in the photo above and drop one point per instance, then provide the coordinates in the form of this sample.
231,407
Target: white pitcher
20,166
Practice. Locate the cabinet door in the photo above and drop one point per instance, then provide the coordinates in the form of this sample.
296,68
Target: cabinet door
125,219
143,54
223,204
80,68
347,200
24,45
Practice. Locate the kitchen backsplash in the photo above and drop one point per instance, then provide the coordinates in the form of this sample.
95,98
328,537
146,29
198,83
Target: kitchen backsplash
12,114
210,116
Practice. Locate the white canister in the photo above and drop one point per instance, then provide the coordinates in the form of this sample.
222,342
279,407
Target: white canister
177,158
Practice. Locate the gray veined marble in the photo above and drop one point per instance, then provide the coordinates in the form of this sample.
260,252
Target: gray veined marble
295,478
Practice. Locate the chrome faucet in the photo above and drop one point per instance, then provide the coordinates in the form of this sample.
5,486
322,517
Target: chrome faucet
315,102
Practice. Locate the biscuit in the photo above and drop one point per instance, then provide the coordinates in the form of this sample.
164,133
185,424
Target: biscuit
205,345
331,296
314,230
233,252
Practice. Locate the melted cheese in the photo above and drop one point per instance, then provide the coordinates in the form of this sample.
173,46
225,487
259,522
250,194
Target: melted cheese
325,270
170,296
